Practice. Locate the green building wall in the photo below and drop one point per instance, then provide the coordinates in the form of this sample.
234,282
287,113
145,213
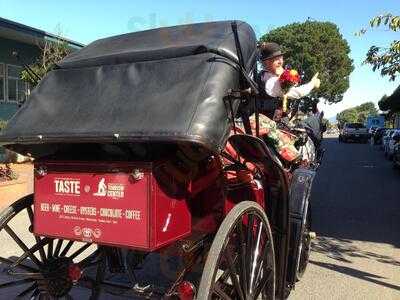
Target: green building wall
7,110
27,54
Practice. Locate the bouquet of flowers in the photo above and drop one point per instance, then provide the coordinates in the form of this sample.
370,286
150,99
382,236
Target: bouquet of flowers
288,79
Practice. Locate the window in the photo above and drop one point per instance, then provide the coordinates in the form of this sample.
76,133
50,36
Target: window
2,82
16,88
355,125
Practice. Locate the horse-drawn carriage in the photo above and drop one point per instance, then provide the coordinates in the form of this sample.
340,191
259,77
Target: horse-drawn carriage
141,169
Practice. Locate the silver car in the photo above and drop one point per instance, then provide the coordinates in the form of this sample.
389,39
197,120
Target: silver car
392,141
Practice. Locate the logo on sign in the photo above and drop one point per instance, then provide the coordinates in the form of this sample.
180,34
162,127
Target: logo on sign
67,186
87,232
101,188
113,190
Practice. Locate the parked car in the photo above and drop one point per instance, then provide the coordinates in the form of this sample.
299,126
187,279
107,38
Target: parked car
354,132
378,136
396,156
385,138
392,141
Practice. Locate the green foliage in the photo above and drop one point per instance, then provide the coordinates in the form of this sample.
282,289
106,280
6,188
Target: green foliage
347,116
357,114
313,47
391,103
383,103
385,59
52,52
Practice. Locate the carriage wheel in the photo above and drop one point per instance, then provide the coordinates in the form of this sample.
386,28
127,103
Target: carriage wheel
305,245
241,261
40,267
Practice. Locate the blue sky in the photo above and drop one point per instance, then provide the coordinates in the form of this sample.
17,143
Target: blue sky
85,21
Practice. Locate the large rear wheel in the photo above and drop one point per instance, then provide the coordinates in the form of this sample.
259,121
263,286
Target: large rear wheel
40,267
241,261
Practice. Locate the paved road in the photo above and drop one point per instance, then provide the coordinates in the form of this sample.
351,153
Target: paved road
356,214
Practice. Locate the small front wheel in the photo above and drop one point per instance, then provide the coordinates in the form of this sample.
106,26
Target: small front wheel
241,261
40,267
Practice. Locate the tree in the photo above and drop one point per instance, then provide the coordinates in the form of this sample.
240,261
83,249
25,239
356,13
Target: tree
357,114
312,47
349,115
385,59
52,52
383,103
368,108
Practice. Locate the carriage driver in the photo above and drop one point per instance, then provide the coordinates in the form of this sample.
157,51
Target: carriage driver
271,57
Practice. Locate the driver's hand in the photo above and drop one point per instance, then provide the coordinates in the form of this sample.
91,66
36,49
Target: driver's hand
316,81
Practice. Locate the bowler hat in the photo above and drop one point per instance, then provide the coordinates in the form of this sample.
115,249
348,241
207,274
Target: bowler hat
270,50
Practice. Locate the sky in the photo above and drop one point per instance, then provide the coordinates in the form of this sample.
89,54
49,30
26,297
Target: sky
86,21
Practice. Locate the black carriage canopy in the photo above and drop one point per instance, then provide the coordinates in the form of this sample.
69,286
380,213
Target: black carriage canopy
162,84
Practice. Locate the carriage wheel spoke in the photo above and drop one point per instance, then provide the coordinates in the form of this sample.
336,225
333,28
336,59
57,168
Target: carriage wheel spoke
263,283
249,253
66,249
217,290
36,293
232,274
31,251
266,270
263,261
41,251
58,247
80,250
224,277
27,291
35,275
50,249
21,244
257,260
15,282
242,255
20,266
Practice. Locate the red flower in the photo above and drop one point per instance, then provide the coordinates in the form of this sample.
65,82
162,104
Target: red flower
288,79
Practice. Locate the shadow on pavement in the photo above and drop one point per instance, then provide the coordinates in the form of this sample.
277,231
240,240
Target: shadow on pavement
356,273
343,250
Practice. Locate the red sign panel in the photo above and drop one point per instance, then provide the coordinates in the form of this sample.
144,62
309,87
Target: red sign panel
113,204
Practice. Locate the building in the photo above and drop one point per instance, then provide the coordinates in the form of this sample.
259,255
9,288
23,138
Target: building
25,41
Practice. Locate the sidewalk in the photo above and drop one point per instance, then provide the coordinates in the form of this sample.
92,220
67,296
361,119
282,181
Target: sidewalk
11,191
